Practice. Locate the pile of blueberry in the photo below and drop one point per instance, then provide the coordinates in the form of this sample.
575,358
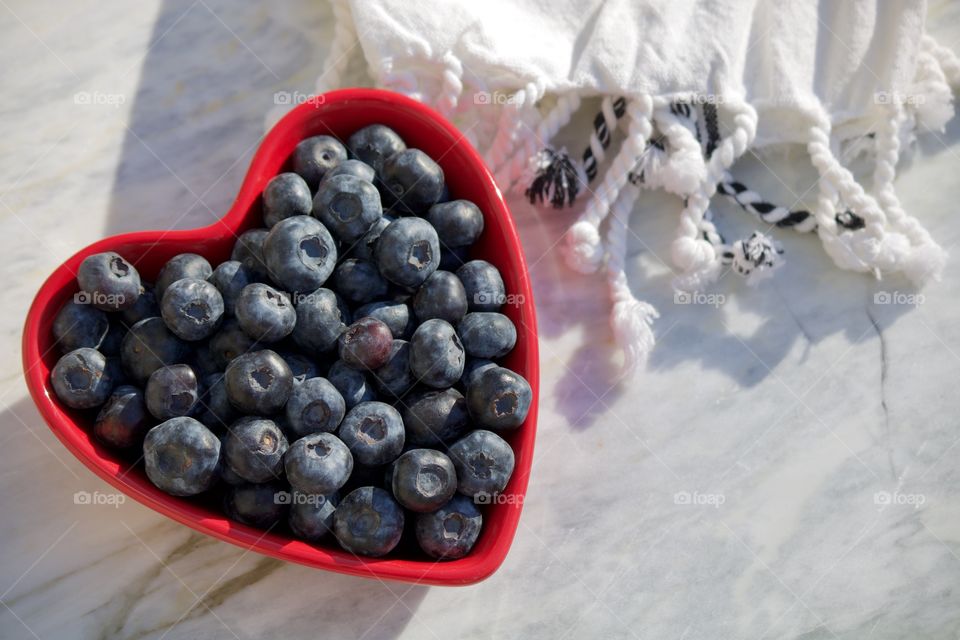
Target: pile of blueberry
338,375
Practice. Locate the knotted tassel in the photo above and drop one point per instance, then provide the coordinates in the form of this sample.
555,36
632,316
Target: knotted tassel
556,180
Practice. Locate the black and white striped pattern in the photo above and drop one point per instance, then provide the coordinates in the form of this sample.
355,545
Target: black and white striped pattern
603,123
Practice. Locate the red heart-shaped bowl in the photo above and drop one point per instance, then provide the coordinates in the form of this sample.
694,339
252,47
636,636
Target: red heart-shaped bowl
339,114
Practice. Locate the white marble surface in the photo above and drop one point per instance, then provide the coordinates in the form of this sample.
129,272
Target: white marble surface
784,411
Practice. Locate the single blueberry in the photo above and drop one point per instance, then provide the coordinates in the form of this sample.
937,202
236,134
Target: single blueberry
366,344
230,342
108,282
315,405
285,196
483,284
123,421
172,391
248,251
393,379
351,383
368,521
487,334
348,206
148,346
179,267
321,317
146,306
498,398
230,278
181,456
265,314
484,463
192,308
374,144
423,480
412,182
81,379
254,448
408,251
435,418
359,281
441,296
458,223
451,531
311,514
395,315
318,463
300,253
373,431
216,412
259,382
259,505
315,156
80,325
436,354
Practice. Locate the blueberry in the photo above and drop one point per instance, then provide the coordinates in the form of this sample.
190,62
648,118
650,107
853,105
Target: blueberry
368,522
441,296
181,456
321,318
473,368
254,448
351,384
498,398
179,267
216,411
172,391
359,281
451,531
248,251
108,282
395,315
315,405
265,314
311,515
423,480
315,156
484,463
436,354
302,367
483,284
365,247
81,379
123,421
354,168
148,346
300,253
146,306
373,431
366,344
412,181
408,251
348,206
192,308
318,463
393,378
487,334
452,258
259,382
435,418
285,196
80,325
230,278
374,144
458,223
258,505
230,342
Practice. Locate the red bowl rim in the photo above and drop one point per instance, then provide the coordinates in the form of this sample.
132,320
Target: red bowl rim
468,570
